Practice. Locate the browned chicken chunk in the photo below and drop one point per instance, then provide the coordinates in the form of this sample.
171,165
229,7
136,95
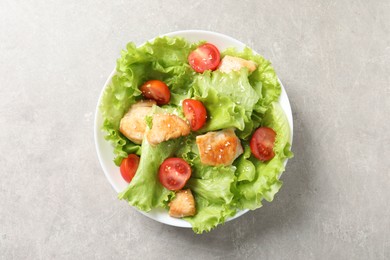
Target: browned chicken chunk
166,127
183,205
229,63
133,124
219,148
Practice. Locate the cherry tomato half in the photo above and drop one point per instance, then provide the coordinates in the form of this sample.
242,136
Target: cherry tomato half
157,90
262,143
205,57
195,112
129,166
174,173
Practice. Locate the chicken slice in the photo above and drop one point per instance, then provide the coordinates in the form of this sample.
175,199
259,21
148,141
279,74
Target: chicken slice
229,63
219,148
166,127
183,205
133,124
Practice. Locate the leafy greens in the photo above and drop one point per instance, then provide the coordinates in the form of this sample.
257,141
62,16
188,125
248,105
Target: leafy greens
239,100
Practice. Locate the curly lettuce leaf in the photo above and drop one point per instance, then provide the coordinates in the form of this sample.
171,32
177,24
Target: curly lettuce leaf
163,59
145,190
212,188
246,170
209,215
250,191
263,79
228,97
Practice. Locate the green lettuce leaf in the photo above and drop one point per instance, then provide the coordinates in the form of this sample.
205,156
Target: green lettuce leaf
228,97
211,187
163,59
246,171
263,180
145,190
263,79
209,215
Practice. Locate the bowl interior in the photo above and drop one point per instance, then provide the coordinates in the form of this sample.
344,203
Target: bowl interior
105,150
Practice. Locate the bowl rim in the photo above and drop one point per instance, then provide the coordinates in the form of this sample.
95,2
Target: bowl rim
97,127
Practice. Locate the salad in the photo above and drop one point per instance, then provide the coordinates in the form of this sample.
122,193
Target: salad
195,129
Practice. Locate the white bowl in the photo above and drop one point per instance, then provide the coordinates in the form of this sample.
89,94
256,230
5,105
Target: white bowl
105,150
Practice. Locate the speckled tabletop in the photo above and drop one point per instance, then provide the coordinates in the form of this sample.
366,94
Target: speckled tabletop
334,60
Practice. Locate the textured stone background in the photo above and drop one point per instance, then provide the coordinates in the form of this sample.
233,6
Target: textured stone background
334,60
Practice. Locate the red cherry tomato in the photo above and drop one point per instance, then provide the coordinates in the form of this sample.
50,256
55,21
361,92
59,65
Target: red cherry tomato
129,166
174,173
157,90
195,112
205,57
262,143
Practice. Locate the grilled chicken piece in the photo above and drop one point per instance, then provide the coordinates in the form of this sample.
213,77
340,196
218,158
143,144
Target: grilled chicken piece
183,205
166,127
229,63
133,124
219,148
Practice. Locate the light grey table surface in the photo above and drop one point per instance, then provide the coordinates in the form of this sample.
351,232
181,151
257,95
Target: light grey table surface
334,60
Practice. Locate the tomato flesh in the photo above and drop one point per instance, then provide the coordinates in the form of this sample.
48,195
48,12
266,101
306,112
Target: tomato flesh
205,57
262,143
174,173
195,112
157,90
129,167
